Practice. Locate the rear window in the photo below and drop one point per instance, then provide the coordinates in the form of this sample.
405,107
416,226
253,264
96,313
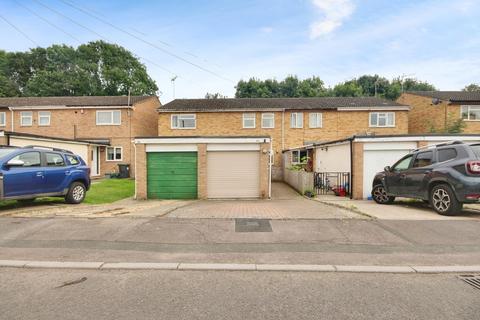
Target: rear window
446,154
72,160
476,150
423,159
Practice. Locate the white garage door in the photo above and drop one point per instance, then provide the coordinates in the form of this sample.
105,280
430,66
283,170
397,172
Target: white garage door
233,174
377,156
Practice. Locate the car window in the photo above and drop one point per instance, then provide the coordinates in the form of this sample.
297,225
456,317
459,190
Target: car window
446,154
54,159
72,160
423,159
403,164
476,150
30,159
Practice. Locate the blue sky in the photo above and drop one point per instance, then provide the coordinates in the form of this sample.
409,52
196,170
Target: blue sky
337,40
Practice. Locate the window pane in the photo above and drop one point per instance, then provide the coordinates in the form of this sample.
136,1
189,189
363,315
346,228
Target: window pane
104,117
26,118
44,118
474,113
391,119
118,153
423,159
465,112
403,164
249,120
446,154
373,119
268,120
293,120
382,121
299,120
295,156
110,152
174,121
2,118
315,120
54,160
30,159
72,160
116,117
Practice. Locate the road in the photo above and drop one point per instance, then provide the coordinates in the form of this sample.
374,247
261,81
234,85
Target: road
36,294
336,241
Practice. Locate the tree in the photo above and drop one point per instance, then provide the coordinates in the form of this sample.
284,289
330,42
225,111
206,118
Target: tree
215,96
347,89
95,68
290,87
472,87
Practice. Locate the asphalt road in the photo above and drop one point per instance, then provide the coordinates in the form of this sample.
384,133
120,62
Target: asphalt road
350,241
46,294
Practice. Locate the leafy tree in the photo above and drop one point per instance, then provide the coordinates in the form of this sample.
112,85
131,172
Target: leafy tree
348,89
215,96
472,87
95,68
290,87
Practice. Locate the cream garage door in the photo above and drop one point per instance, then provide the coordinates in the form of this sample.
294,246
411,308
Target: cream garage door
233,174
377,156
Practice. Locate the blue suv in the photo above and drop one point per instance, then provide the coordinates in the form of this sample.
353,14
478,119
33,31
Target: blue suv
31,172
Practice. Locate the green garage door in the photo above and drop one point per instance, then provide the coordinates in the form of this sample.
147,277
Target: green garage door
172,175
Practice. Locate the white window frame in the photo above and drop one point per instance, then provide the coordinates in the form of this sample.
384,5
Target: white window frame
383,115
3,119
316,118
468,112
299,153
46,114
111,123
179,116
271,116
294,124
249,116
114,153
23,116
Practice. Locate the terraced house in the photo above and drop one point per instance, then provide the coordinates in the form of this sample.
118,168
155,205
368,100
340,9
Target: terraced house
436,110
108,123
289,122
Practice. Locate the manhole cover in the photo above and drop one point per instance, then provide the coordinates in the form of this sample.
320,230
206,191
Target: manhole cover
252,225
473,280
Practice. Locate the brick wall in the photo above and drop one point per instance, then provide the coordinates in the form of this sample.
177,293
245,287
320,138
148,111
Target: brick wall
141,175
336,125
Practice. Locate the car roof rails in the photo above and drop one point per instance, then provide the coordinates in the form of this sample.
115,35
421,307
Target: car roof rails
47,148
432,146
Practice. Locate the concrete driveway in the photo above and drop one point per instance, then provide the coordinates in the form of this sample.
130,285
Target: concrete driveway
286,203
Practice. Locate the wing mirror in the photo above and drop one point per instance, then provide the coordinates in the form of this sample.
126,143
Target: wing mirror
387,169
15,163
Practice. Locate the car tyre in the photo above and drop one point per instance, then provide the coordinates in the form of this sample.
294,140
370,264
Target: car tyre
380,196
443,200
76,193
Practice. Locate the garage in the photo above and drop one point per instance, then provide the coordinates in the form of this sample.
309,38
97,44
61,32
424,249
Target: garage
203,167
172,175
377,156
233,174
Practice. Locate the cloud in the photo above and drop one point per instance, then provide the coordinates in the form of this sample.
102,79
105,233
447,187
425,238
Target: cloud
266,30
333,13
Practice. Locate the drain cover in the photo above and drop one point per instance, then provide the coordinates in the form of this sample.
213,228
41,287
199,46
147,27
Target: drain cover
473,280
252,225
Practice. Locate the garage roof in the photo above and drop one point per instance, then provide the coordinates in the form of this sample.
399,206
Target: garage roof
453,96
83,101
206,105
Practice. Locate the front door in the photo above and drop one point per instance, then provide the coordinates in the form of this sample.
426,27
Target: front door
25,180
95,164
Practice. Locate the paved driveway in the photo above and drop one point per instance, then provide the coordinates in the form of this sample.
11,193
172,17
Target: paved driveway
285,204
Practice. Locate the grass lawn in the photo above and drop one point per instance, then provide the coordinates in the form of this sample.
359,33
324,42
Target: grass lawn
101,192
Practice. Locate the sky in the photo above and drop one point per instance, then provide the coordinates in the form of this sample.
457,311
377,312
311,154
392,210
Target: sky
209,45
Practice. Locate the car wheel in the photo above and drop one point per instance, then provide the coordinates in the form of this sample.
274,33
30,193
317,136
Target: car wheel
380,196
443,200
76,193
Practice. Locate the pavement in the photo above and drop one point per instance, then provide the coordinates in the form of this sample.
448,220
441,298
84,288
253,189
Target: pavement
122,294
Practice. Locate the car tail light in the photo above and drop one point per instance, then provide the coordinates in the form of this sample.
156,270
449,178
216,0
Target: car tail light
473,167
472,196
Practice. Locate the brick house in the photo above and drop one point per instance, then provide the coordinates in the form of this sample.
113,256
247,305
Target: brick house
434,110
111,120
289,122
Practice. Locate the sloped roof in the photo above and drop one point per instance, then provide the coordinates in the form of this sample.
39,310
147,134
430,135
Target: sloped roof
71,101
449,95
275,103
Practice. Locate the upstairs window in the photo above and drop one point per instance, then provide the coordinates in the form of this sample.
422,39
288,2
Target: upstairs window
471,113
296,120
249,120
315,120
382,119
3,119
109,118
184,121
26,118
268,120
44,118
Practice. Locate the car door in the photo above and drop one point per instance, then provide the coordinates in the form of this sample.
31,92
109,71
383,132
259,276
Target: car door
416,174
56,172
27,179
395,178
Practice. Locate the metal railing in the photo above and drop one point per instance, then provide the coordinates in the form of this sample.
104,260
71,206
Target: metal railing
334,183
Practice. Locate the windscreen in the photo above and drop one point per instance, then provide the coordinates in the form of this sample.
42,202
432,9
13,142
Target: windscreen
5,152
476,150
